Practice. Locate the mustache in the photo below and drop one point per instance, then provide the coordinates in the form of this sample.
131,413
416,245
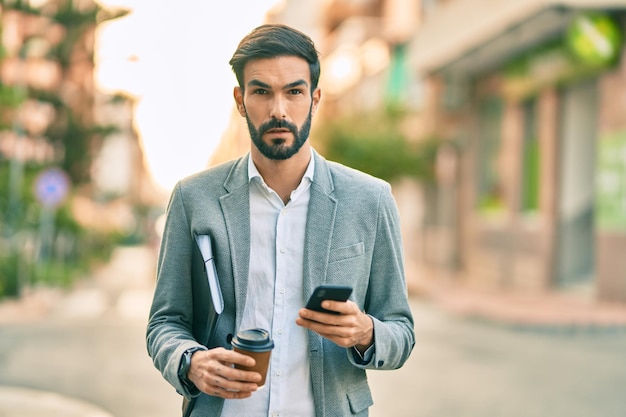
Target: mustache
278,124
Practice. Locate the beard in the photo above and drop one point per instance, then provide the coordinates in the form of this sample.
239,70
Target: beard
277,150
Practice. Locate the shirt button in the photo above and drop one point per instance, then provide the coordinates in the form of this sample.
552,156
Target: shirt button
282,290
283,250
278,373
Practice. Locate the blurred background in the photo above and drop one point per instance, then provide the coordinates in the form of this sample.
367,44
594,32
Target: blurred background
501,125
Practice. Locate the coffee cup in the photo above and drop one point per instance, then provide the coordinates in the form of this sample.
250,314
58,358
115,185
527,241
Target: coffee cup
258,344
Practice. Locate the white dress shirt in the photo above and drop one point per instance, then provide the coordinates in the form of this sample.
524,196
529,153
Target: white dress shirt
275,295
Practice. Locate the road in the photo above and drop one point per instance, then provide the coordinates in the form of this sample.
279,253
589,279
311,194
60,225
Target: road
90,347
462,368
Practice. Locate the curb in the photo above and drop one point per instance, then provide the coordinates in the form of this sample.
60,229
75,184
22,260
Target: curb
23,402
547,316
546,313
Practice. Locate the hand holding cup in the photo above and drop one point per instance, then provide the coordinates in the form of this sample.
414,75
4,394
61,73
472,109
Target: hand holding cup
257,344
212,372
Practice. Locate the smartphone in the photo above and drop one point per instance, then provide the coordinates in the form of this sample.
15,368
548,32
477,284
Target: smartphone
328,292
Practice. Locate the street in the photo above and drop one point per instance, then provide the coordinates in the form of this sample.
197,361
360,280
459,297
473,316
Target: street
476,369
91,347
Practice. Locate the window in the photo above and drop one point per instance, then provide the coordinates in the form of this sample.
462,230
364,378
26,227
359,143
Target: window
490,190
529,199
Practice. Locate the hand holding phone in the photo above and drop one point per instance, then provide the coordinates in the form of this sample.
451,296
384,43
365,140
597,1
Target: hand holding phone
328,292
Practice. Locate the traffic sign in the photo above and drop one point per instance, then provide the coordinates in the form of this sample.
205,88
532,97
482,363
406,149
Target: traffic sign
51,187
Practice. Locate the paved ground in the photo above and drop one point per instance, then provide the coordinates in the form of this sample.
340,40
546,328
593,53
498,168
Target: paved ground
471,368
86,346
576,309
82,353
34,403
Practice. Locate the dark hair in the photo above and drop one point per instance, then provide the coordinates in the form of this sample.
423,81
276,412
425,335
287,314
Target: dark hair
275,40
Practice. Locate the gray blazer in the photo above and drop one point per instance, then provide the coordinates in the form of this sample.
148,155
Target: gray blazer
352,237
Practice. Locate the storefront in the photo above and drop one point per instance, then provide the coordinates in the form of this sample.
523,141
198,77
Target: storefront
535,96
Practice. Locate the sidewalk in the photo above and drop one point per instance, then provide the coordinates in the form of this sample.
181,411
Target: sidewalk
118,291
124,287
545,311
21,402
121,288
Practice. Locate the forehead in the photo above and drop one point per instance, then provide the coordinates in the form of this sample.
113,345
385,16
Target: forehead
277,71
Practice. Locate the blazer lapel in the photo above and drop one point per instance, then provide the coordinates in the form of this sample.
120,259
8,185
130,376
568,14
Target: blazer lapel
236,211
319,230
319,227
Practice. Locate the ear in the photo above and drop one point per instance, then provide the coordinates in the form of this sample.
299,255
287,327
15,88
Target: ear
317,96
238,95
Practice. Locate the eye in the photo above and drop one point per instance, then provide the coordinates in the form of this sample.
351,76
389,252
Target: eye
296,91
259,91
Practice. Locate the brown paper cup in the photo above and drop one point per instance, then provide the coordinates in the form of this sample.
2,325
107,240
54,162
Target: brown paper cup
258,344
262,363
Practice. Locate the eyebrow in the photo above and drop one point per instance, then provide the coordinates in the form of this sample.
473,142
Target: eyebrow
257,83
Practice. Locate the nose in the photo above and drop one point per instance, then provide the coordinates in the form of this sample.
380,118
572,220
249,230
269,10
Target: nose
277,110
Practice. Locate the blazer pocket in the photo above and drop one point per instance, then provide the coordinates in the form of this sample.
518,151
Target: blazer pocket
347,252
360,399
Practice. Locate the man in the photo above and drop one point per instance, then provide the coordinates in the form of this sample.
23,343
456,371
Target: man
282,220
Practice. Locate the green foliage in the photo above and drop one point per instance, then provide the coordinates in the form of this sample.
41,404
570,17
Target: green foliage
29,256
69,132
610,182
26,256
531,183
9,263
78,140
375,144
76,24
21,5
11,96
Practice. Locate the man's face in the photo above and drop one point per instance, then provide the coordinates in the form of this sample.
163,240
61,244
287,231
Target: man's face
277,104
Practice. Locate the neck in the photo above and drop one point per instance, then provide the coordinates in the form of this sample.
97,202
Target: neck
282,176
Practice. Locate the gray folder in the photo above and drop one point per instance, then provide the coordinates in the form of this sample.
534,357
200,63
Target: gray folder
207,295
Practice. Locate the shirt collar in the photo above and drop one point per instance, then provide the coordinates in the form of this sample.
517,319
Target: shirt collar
253,172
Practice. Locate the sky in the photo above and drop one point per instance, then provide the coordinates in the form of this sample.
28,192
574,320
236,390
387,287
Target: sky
174,60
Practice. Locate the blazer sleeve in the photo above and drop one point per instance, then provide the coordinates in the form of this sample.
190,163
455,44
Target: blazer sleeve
387,298
169,330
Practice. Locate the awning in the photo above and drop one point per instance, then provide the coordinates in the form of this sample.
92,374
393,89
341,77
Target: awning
465,37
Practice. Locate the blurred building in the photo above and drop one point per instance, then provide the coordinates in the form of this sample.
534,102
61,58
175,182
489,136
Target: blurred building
52,113
534,94
362,45
530,97
27,38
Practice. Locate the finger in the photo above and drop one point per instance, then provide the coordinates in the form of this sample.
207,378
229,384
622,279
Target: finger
341,307
230,357
327,330
220,371
213,368
242,375
244,384
319,317
246,381
228,394
342,330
